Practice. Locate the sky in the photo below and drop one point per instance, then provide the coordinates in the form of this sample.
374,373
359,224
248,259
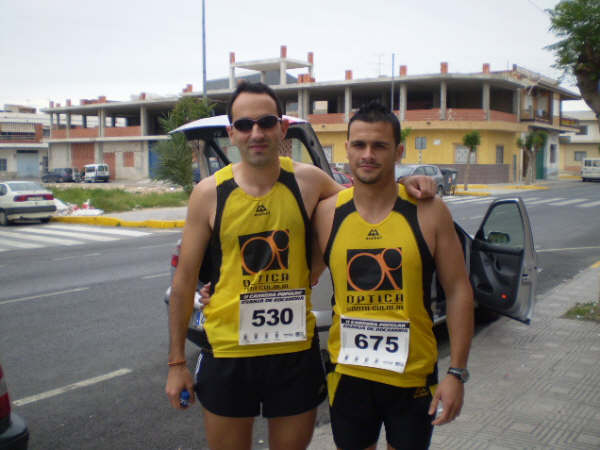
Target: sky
72,49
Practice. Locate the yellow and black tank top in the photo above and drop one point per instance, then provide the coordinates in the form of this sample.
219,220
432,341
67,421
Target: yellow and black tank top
383,272
260,246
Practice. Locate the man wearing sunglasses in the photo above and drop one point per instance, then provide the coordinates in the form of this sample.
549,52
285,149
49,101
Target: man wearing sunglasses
382,248
251,220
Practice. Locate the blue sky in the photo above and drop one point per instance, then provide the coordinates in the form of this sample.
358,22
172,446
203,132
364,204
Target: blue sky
73,49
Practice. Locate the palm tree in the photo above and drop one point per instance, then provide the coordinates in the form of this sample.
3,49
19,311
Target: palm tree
534,141
470,140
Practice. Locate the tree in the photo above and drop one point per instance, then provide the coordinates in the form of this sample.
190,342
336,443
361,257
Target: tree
177,154
577,23
470,140
534,141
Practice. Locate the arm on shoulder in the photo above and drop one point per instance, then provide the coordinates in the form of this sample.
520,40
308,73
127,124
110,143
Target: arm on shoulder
318,179
322,222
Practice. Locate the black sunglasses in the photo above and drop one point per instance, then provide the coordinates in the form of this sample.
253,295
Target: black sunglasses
265,123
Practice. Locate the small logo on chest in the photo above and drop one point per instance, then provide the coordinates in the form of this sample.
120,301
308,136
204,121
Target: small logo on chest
261,210
373,235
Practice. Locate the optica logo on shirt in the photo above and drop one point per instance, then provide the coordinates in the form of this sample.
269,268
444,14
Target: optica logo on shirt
263,251
375,269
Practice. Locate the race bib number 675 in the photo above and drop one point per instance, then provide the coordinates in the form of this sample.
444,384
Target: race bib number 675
381,344
272,316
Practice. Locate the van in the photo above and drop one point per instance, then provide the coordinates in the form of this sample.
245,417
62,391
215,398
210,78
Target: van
590,169
96,172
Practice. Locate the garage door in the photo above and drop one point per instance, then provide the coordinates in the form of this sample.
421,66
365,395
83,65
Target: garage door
28,165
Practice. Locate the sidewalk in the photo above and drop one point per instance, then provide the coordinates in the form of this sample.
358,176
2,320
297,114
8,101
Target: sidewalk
533,387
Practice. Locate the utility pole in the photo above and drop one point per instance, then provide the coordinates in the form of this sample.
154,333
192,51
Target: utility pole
204,51
392,90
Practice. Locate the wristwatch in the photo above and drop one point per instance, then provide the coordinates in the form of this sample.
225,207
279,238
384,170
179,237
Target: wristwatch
462,374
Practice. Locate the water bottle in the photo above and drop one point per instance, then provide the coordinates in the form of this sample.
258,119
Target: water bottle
184,398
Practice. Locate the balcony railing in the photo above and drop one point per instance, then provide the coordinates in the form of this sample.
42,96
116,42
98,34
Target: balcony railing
61,133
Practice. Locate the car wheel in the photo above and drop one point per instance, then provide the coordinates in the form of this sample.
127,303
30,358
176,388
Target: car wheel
440,191
3,219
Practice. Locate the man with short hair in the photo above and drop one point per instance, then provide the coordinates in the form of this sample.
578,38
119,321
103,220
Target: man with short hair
382,248
251,221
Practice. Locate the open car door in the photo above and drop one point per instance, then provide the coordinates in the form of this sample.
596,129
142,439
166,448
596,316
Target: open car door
503,267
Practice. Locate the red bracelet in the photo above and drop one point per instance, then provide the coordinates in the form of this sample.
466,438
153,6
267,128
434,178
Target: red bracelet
177,363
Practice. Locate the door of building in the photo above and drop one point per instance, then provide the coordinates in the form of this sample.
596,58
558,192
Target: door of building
28,164
153,159
540,157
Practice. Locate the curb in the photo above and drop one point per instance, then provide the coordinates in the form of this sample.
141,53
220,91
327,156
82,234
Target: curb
114,222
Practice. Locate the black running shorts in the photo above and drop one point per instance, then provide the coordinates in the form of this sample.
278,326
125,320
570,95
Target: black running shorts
284,385
361,406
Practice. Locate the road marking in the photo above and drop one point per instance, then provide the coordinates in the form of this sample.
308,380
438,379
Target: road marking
589,205
120,232
71,387
567,249
546,200
19,245
475,217
45,240
49,294
158,275
89,237
569,202
596,265
168,244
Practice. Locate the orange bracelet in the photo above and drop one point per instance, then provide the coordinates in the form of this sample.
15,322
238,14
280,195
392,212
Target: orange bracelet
177,363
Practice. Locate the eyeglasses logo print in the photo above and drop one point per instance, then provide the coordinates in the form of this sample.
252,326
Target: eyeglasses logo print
377,269
264,251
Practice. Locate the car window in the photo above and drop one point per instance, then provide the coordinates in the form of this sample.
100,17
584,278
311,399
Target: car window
504,226
2,189
403,171
429,171
27,186
419,171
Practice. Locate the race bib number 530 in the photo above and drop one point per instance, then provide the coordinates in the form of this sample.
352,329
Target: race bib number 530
272,317
374,343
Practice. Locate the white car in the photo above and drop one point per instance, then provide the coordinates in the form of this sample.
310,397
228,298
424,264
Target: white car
25,200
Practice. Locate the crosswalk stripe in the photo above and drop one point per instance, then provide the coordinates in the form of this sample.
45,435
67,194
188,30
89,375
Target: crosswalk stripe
86,236
44,239
13,244
104,230
589,205
568,202
471,200
546,200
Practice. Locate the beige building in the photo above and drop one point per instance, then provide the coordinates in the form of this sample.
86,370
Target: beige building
439,108
584,143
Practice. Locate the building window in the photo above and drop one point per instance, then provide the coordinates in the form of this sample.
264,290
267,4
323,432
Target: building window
2,164
128,159
580,156
461,154
499,154
328,149
583,129
421,143
552,153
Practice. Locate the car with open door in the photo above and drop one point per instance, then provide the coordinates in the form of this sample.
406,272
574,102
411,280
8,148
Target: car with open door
500,257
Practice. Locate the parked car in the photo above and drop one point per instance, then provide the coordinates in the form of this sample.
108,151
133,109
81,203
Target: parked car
405,170
590,169
501,258
25,200
60,175
14,434
96,172
342,178
449,180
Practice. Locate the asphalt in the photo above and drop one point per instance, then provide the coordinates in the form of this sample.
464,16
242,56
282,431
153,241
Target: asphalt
532,386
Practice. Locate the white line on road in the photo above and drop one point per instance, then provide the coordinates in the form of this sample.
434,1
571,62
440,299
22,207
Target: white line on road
120,232
569,202
70,387
546,200
566,249
45,240
589,205
49,294
158,275
76,235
